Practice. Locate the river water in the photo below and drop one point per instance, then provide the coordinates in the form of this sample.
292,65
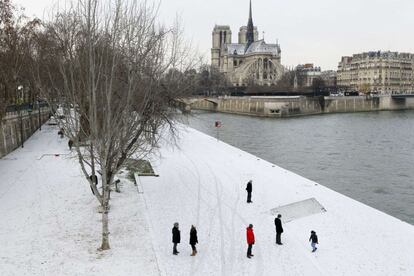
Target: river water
366,156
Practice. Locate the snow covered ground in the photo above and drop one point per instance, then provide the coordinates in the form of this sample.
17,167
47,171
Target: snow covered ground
49,221
203,183
49,224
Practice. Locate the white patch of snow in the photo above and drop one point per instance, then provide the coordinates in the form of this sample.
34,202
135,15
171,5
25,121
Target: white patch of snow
49,224
49,221
204,183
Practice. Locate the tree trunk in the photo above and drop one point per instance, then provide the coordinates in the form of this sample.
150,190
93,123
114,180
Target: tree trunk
105,228
84,129
105,211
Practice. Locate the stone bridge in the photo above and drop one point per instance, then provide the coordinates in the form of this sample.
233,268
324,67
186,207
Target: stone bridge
185,104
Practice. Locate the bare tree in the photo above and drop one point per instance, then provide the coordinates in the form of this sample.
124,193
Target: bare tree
16,35
210,81
116,73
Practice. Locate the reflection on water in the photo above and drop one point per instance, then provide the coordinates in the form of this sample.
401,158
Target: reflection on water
367,156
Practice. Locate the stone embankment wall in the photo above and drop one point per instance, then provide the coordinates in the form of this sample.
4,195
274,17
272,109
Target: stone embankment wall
300,105
11,124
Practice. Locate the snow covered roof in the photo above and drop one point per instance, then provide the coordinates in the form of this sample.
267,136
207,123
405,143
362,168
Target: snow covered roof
235,49
261,46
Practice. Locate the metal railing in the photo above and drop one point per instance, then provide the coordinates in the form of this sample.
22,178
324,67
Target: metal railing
25,106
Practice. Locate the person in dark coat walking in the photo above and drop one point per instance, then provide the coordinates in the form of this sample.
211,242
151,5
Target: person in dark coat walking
250,240
249,190
279,229
176,238
314,240
70,144
193,240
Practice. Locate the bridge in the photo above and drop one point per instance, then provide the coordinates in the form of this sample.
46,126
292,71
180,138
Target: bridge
185,104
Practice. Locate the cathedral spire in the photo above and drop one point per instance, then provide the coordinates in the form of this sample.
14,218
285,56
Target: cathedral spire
250,10
250,28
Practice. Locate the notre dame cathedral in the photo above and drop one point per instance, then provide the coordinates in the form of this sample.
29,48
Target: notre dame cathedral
250,61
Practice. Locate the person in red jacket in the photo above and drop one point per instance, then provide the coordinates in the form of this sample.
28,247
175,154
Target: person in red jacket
250,240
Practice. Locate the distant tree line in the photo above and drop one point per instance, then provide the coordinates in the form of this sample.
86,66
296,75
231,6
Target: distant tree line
17,35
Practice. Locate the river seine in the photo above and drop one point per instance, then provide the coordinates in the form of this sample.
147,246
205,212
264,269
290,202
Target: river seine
366,156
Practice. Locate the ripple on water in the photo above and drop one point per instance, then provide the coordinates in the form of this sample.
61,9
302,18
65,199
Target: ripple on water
382,191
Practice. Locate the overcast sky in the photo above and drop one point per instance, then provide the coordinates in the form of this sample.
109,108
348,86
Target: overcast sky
309,31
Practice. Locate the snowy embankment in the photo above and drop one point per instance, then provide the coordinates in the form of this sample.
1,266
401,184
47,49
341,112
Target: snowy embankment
203,183
50,225
49,221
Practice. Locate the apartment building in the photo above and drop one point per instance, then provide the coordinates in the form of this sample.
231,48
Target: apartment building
377,72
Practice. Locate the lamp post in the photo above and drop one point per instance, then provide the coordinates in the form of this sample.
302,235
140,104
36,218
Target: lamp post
39,118
19,106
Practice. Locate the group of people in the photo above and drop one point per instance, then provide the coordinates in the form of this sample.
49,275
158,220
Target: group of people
176,233
176,238
279,230
278,225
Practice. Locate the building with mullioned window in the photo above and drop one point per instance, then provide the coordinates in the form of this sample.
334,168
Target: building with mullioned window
377,72
250,61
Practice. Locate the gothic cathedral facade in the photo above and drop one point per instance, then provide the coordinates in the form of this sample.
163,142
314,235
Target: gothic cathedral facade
250,61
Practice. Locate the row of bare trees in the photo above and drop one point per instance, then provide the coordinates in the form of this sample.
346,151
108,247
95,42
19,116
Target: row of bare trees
17,34
115,73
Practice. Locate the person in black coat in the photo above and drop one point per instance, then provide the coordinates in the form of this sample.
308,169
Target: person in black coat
279,229
193,240
176,238
249,190
314,240
70,144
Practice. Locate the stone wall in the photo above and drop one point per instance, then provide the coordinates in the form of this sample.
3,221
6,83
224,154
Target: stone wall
300,105
263,106
11,124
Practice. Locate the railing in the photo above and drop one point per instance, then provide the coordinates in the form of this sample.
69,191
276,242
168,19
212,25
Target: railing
26,106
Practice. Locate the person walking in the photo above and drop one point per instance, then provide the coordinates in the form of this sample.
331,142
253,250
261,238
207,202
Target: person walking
250,240
176,238
193,240
279,229
249,190
70,144
314,240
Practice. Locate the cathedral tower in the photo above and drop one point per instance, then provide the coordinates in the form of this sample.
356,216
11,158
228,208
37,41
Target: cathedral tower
221,36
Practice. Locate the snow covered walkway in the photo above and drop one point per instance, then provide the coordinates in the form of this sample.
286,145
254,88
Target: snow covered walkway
49,224
203,183
49,221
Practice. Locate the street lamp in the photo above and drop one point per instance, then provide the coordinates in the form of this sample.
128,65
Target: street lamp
20,105
39,118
